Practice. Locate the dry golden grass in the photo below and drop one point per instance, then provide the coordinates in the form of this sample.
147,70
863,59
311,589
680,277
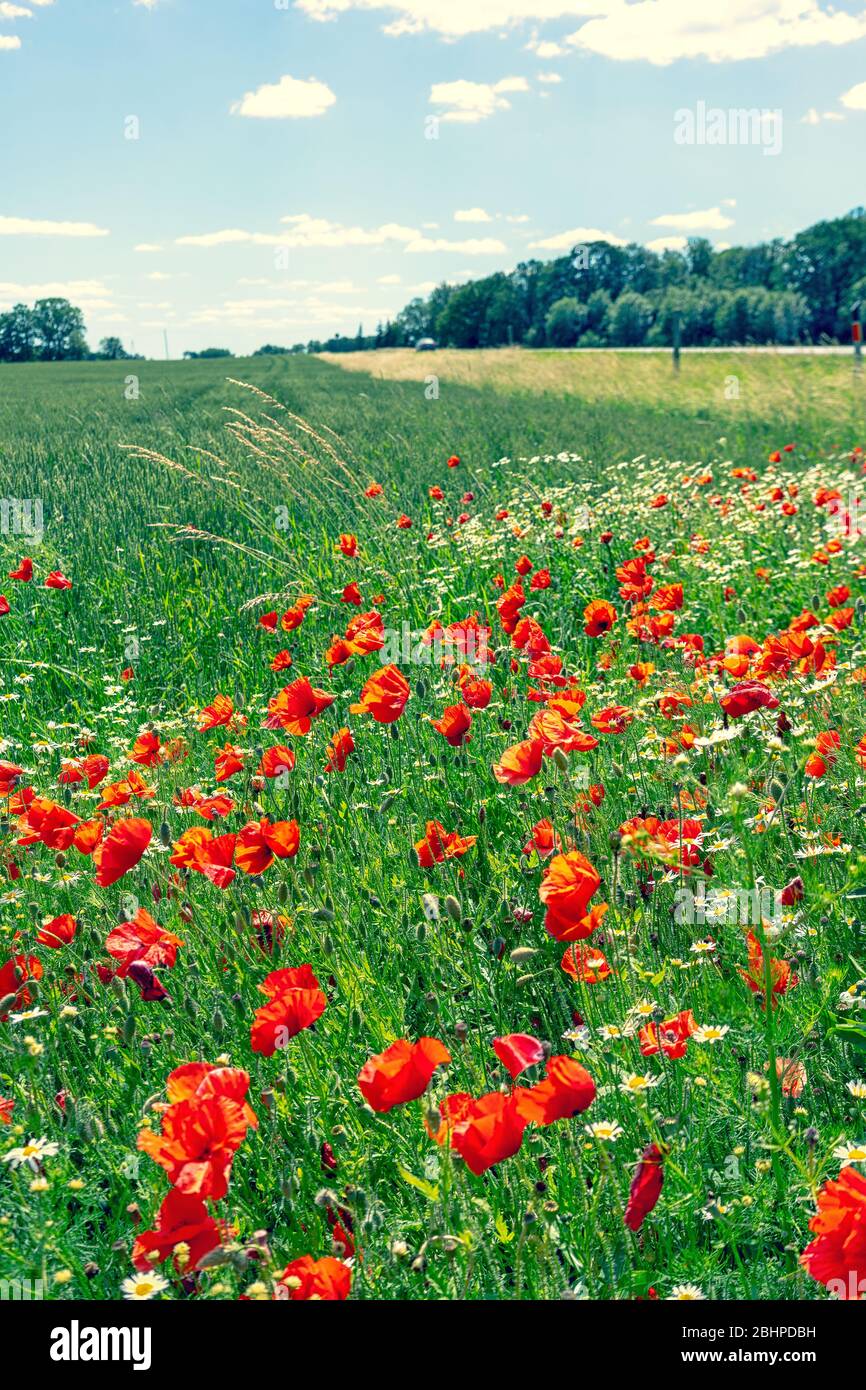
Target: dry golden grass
730,382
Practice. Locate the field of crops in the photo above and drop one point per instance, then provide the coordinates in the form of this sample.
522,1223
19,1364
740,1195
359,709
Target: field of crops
431,853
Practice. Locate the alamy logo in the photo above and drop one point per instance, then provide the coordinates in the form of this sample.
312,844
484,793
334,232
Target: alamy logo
734,125
77,1343
21,1290
22,516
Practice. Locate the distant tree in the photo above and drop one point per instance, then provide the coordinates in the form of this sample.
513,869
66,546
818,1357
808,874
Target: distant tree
629,319
566,320
597,310
17,335
209,352
113,350
270,351
59,329
699,256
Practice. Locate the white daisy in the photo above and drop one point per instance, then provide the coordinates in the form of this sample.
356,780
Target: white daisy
139,1287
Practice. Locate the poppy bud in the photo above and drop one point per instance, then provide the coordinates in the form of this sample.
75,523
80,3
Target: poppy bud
165,833
460,1030
560,757
127,1030
7,1004
453,908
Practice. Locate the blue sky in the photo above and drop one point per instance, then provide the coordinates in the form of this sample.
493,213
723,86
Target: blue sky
301,166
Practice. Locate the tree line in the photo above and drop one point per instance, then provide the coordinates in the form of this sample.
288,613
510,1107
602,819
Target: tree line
600,295
52,331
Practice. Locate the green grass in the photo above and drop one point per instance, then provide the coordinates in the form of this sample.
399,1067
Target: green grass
268,502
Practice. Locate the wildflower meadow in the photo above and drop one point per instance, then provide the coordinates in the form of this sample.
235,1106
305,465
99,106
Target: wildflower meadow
431,855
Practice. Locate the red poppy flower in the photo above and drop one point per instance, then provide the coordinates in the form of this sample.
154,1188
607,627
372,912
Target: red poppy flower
142,939
199,849
544,840
349,545
296,706
384,695
517,1051
281,662
217,713
352,594
201,1129
568,884
585,963
440,844
4,605
599,617
92,770
782,977
227,762
519,763
646,1187
58,932
121,850
454,725
487,1131
670,1037
56,580
568,1089
401,1073
326,1280
837,1255
746,697
50,823
295,1002
340,746
24,572
146,750
15,974
260,842
180,1220
276,760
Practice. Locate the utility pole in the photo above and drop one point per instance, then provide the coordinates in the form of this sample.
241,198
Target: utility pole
165,340
857,336
676,333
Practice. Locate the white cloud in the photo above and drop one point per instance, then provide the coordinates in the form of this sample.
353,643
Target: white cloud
9,11
815,117
29,226
654,31
544,49
87,294
468,102
472,215
517,217
551,78
664,31
147,248
709,220
290,97
8,42
667,243
158,275
855,97
454,18
578,236
485,246
307,231
388,280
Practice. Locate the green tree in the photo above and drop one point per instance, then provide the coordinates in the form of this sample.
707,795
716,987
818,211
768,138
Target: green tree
17,335
630,319
59,330
566,320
